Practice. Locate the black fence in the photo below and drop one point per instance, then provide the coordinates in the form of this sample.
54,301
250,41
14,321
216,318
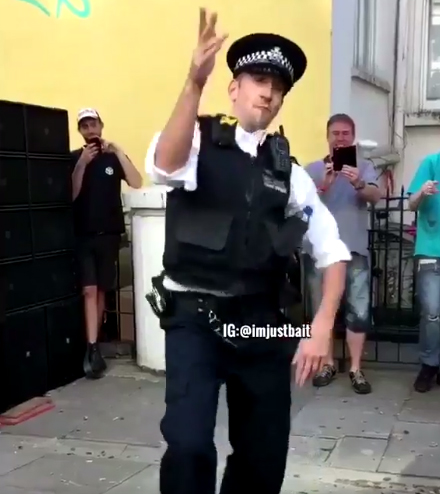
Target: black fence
395,316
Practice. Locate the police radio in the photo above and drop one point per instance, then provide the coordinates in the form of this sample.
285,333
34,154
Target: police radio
280,150
158,297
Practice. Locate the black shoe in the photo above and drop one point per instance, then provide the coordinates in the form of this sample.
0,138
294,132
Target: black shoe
94,364
325,377
359,383
425,379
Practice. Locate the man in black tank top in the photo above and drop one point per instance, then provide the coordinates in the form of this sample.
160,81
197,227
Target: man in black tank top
100,166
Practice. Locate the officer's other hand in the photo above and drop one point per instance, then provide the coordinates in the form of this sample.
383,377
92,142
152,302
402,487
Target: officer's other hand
429,188
88,153
312,352
208,45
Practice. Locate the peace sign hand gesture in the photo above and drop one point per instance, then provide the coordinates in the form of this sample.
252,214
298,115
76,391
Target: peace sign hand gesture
209,44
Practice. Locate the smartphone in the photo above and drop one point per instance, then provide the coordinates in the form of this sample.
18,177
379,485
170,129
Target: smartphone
97,142
344,156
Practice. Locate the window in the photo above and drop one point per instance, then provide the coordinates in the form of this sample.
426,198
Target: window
419,56
433,55
365,36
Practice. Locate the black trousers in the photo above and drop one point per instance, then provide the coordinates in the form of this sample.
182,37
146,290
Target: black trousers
257,377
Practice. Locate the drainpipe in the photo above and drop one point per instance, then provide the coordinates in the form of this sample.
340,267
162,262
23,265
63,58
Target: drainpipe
399,80
395,69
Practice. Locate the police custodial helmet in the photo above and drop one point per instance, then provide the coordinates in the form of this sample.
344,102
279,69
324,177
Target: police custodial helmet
264,53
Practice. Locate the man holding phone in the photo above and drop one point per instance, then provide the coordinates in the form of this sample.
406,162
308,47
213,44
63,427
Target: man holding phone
346,187
99,168
425,199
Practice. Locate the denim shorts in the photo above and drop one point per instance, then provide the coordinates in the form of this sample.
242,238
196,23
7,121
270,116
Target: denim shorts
356,302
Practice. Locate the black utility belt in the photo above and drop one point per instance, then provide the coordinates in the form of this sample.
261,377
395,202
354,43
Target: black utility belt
193,300
164,302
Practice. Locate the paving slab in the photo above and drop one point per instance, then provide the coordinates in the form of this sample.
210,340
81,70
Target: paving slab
147,481
138,426
422,408
19,445
55,423
136,419
413,450
87,449
97,394
104,437
321,477
358,453
142,454
16,490
363,416
12,461
64,474
12,443
74,403
310,450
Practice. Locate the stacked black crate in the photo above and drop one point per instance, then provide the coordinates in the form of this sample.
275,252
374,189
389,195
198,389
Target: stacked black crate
41,335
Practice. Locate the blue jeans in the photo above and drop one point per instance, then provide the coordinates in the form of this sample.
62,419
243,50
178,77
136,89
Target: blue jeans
357,292
428,294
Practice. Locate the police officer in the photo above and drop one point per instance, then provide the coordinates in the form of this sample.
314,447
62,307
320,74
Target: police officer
236,213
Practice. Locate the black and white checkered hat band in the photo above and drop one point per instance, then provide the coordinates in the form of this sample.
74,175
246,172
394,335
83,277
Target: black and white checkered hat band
273,57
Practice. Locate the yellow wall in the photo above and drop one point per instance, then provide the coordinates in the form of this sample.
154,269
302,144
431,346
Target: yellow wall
128,58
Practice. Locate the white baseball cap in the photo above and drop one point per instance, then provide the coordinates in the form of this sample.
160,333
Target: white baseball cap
88,113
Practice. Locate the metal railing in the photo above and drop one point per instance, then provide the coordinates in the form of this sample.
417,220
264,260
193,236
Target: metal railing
393,337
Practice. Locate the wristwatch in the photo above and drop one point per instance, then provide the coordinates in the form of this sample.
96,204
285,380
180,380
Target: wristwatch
360,185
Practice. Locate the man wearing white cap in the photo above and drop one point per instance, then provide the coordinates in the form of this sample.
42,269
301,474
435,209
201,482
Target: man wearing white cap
100,166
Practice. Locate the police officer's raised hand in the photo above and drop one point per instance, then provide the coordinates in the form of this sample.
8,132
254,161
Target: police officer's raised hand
208,45
88,153
312,352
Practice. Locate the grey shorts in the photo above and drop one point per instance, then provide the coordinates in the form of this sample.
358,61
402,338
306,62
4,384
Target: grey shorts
356,308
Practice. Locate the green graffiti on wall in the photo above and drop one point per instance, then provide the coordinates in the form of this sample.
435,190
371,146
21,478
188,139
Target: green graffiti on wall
81,12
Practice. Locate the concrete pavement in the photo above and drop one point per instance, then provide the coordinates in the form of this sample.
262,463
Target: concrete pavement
103,437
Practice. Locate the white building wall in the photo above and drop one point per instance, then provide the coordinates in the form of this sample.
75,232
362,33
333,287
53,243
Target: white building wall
363,48
364,73
421,117
370,107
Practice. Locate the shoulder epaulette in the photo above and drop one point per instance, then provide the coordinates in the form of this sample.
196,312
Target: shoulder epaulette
222,118
227,120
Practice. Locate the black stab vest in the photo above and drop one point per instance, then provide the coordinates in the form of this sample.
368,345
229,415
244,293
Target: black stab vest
231,234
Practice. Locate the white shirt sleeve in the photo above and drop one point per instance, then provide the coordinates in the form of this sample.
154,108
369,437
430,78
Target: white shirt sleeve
323,233
186,176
